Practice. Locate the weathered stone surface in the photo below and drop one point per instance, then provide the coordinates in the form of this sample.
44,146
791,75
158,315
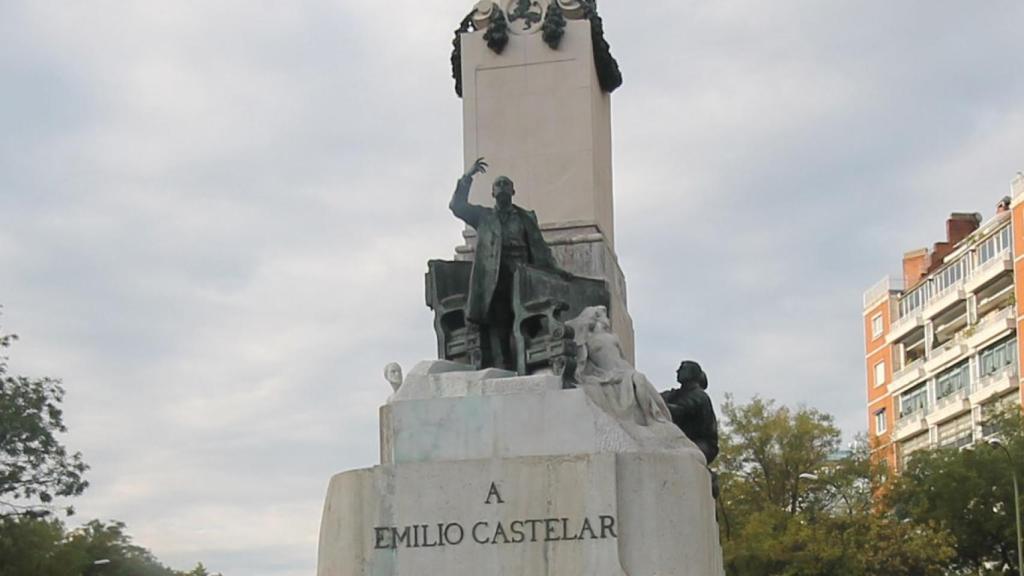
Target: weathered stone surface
593,515
464,415
443,379
540,117
548,422
461,448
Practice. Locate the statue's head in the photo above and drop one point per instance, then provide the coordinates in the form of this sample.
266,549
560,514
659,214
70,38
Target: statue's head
690,371
503,191
601,320
393,374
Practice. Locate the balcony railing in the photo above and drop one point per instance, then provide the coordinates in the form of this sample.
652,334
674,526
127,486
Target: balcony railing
991,378
993,262
912,317
878,291
952,397
958,285
912,417
1004,314
957,339
969,271
908,369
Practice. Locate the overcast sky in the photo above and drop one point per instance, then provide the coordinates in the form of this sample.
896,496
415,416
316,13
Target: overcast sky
215,217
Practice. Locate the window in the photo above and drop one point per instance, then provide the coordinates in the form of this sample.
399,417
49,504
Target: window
1009,401
912,445
913,400
915,299
881,425
957,432
950,275
953,380
994,245
880,373
995,358
876,326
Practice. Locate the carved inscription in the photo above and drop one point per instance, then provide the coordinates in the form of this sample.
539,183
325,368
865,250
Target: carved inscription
487,532
493,493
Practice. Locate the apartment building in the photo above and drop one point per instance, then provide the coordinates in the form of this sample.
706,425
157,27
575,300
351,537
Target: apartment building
941,344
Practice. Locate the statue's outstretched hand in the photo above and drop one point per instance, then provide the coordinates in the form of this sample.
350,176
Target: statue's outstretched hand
479,167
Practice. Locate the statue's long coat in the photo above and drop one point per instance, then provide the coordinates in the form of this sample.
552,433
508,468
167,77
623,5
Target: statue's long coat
487,258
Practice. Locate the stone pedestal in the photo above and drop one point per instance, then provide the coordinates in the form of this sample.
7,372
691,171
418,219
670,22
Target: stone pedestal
540,117
486,474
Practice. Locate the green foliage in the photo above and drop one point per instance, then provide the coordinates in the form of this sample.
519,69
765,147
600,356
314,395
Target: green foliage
29,547
42,547
765,449
199,570
969,493
790,507
35,468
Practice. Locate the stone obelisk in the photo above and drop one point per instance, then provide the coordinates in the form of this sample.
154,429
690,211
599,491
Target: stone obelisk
541,116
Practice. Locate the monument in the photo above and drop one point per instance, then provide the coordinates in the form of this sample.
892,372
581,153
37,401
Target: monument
532,445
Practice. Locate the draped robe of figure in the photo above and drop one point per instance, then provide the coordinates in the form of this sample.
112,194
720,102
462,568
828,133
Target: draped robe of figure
609,379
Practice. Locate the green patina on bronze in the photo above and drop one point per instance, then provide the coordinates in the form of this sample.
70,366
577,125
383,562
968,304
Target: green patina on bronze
488,254
496,36
524,11
553,28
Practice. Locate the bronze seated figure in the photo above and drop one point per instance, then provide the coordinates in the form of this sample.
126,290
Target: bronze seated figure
542,301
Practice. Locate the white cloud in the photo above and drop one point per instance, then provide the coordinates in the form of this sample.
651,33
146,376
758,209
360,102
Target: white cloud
215,217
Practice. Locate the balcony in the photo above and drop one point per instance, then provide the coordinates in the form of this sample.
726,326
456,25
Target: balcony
943,300
1001,263
992,327
910,425
905,325
994,385
945,408
909,375
947,354
879,291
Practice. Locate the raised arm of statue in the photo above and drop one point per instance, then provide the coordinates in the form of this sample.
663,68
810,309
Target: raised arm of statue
460,206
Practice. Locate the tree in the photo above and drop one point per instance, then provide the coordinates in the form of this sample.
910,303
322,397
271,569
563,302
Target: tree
199,570
28,546
35,468
42,547
98,541
791,507
969,493
766,448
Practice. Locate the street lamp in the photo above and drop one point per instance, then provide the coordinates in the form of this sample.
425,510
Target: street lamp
815,478
994,442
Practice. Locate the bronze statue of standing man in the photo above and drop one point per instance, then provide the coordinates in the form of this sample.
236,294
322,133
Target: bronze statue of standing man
507,235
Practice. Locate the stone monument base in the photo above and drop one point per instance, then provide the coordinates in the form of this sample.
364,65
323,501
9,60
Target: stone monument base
487,475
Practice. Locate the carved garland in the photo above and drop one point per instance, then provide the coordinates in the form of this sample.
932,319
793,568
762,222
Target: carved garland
553,29
554,26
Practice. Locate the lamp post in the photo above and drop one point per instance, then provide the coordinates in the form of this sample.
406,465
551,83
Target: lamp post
994,442
816,478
